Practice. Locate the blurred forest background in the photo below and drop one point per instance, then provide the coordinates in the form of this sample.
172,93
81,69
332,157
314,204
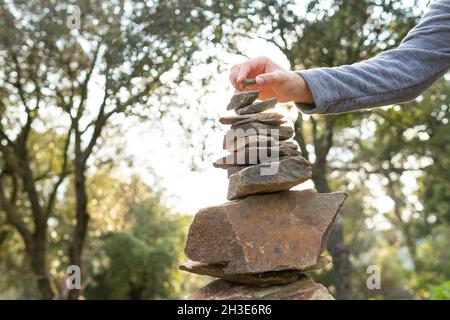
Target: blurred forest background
69,92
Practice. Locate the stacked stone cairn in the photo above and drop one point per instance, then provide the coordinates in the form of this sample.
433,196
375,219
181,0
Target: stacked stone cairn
261,243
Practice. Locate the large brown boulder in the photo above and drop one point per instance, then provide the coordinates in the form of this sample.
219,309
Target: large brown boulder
281,231
303,289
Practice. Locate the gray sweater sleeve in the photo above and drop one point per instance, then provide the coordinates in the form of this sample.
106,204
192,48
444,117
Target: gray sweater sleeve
393,76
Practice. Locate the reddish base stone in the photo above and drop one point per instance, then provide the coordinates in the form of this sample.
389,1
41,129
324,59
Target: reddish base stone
303,289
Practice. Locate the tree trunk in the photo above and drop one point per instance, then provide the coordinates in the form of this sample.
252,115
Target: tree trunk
412,248
37,253
82,217
339,251
342,267
403,226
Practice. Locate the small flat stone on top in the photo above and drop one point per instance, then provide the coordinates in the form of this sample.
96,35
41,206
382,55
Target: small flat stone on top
248,82
258,107
242,99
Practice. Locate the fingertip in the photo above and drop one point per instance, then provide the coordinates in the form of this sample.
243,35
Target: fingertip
259,80
239,81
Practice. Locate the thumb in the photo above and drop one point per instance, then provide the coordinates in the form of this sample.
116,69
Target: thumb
269,78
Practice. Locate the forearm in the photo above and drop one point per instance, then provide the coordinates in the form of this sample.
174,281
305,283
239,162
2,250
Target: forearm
394,76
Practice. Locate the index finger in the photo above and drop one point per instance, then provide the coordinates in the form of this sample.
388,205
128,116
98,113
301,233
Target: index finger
234,75
250,69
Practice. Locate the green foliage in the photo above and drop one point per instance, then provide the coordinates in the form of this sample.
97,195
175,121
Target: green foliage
433,258
440,292
412,142
142,262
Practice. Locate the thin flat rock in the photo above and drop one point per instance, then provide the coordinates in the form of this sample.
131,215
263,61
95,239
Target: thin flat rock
291,144
252,129
242,99
234,169
262,143
303,289
257,107
255,155
263,279
269,122
287,150
257,117
270,177
236,143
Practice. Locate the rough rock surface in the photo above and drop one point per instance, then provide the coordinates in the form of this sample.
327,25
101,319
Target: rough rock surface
255,155
234,169
280,231
287,149
283,146
267,118
242,99
303,289
251,141
258,107
270,177
290,144
256,279
271,122
261,142
255,128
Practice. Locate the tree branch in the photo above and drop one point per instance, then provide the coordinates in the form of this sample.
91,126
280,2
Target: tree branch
13,218
299,136
84,87
377,170
62,175
314,132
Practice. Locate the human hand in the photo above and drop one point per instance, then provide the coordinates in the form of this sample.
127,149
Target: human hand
272,80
